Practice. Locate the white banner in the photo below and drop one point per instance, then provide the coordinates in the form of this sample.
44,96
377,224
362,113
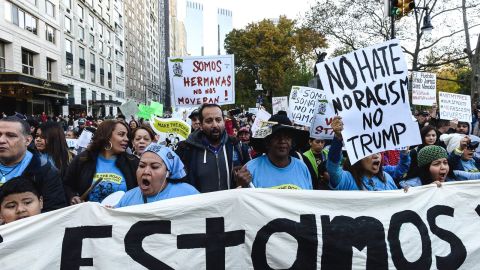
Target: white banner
425,228
368,88
455,106
302,105
279,104
202,79
424,88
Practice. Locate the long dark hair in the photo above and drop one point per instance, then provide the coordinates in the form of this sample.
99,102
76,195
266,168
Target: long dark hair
102,135
425,130
358,172
56,145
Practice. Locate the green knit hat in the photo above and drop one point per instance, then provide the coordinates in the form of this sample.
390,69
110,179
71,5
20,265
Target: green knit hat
430,153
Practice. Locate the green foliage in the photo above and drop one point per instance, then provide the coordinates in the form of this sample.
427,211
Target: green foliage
280,54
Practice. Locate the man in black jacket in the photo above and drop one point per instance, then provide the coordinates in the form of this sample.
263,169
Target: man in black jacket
210,156
16,160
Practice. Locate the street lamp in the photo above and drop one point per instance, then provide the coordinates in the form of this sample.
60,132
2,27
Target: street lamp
427,23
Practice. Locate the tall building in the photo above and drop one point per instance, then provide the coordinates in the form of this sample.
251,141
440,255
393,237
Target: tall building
31,57
178,32
194,28
224,26
90,30
143,47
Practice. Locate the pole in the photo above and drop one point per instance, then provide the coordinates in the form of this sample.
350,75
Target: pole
392,26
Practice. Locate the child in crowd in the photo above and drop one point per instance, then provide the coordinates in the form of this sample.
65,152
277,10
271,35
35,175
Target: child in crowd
19,198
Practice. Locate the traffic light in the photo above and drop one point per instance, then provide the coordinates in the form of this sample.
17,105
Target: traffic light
400,8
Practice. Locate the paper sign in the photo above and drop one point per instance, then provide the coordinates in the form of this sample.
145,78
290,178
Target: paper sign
264,129
170,130
321,128
279,104
253,110
455,106
129,109
202,79
259,117
368,88
71,143
302,105
424,88
84,139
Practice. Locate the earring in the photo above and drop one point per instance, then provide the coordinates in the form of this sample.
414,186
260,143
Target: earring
109,147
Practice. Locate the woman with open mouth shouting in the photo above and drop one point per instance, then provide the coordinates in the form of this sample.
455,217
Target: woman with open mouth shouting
159,165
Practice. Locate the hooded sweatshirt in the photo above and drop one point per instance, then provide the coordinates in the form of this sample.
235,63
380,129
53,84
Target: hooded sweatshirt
210,169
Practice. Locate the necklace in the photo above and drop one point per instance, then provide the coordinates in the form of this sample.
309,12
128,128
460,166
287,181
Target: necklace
5,174
156,196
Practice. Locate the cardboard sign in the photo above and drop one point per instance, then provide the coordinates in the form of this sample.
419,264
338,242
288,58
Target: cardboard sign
424,88
279,104
170,130
368,88
259,117
302,105
202,79
455,106
129,109
426,228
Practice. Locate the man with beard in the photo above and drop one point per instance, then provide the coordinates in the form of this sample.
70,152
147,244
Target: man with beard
210,155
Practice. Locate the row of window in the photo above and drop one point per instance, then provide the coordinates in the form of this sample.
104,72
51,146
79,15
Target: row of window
49,7
28,64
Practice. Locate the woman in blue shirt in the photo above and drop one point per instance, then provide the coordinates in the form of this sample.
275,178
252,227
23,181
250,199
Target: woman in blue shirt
158,164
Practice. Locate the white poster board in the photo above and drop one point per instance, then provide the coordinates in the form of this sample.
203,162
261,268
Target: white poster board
202,79
455,106
368,88
424,88
321,124
259,117
84,139
253,110
302,105
129,109
279,104
425,228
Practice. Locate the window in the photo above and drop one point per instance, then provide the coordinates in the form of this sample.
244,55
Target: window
92,41
102,72
91,21
94,96
81,33
50,33
109,75
80,11
50,8
81,72
107,17
100,46
49,69
100,29
109,36
99,9
90,2
109,52
68,24
2,56
20,18
67,3
103,96
83,96
81,53
92,67
27,62
68,45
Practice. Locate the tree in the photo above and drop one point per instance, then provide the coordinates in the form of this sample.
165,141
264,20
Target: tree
278,55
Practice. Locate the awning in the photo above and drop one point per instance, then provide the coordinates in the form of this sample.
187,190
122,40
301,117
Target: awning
52,95
106,103
40,86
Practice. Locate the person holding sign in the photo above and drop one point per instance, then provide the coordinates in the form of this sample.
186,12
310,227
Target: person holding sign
158,165
366,174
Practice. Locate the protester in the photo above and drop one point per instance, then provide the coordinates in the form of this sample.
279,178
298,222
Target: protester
244,135
141,138
16,160
121,118
158,166
463,128
19,198
315,159
422,118
105,165
277,169
462,158
365,174
133,124
195,119
50,141
209,154
429,135
71,134
81,125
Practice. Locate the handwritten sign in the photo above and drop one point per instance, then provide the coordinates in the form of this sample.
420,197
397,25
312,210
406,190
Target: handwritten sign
321,125
202,79
455,106
303,103
368,88
279,104
424,88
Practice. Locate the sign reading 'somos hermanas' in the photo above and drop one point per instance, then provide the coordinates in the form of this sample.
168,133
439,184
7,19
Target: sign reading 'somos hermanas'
202,79
368,88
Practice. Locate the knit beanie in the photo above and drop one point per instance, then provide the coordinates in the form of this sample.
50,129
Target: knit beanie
430,153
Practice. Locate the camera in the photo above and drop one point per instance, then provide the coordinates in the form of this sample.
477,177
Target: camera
472,145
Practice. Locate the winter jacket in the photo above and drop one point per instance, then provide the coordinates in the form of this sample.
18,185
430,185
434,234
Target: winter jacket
455,160
209,171
80,173
48,180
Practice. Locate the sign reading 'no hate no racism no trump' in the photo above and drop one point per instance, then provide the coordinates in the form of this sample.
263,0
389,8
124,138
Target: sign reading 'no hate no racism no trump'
426,228
368,88
202,79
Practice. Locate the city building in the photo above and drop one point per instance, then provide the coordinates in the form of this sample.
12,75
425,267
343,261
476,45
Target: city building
224,26
194,28
31,57
178,32
91,30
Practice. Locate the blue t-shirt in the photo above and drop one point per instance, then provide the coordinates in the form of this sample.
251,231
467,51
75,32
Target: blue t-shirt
113,179
469,165
172,190
9,172
266,175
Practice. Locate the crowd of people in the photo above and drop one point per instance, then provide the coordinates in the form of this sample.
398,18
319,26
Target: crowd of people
40,172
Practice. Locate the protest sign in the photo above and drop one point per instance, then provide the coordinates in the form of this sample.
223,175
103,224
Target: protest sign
302,105
321,124
253,110
71,143
455,106
426,228
170,130
368,88
202,79
147,112
279,104
424,88
84,139
259,117
129,109
264,129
